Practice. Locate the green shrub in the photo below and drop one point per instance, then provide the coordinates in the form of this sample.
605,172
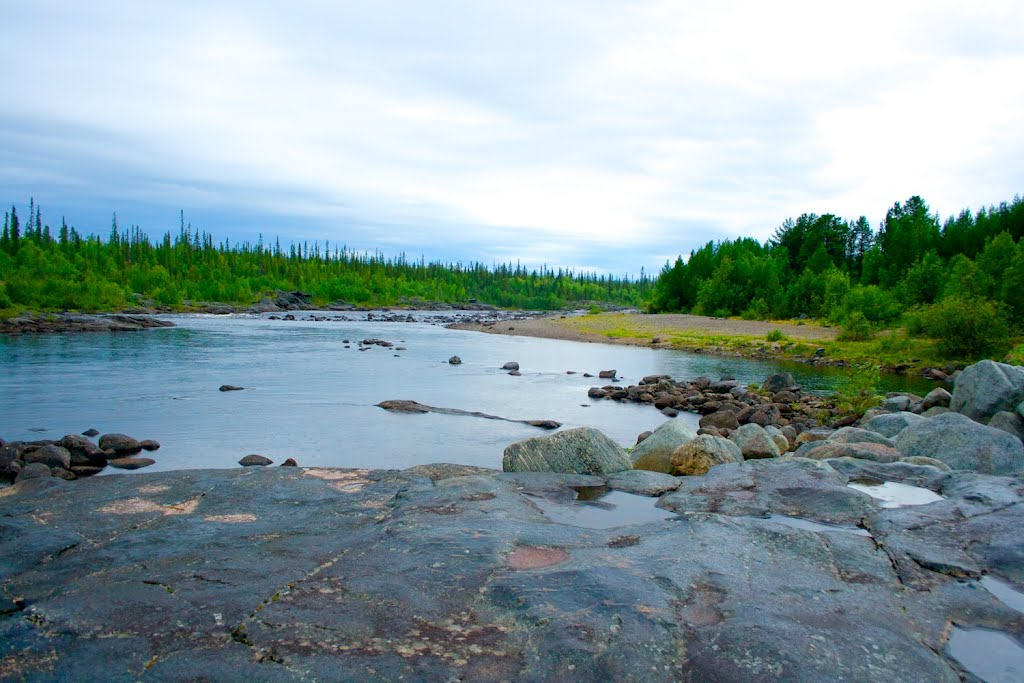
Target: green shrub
1016,355
757,310
775,336
856,392
855,328
874,303
966,327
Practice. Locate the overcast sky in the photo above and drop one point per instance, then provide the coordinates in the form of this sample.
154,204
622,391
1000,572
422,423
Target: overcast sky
590,134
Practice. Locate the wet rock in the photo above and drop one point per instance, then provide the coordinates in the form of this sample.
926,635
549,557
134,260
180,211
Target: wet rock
778,382
149,445
643,435
891,424
51,456
606,374
754,442
406,406
119,444
91,432
511,365
703,453
963,444
455,360
655,452
130,463
643,482
86,470
230,387
65,474
515,373
937,397
9,463
33,470
83,451
669,412
582,450
721,419
986,388
290,462
857,435
254,460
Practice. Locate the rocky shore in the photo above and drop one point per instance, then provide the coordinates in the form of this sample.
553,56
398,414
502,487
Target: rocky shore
48,323
887,550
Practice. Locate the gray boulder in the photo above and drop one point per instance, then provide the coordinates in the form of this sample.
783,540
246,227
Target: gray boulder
51,456
1011,423
963,444
703,453
83,451
754,442
455,360
120,444
254,460
33,470
778,437
937,397
897,404
892,424
643,483
511,365
857,435
1020,408
655,452
582,450
778,382
935,410
877,452
722,419
986,388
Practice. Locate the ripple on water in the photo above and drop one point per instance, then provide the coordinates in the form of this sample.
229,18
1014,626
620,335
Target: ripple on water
604,510
990,655
896,495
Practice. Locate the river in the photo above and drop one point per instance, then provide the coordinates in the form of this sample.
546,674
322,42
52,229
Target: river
308,397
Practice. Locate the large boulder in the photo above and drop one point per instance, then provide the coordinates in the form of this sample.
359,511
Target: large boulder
754,442
778,382
655,452
862,450
83,451
703,453
721,419
582,450
857,435
986,388
963,444
120,444
51,456
891,424
936,398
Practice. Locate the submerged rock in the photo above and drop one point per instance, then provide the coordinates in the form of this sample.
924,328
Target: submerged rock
582,450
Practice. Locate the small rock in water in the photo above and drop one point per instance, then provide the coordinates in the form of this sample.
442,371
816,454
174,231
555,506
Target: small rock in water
511,365
230,387
253,459
149,445
515,373
91,432
119,444
455,360
606,374
131,463
290,462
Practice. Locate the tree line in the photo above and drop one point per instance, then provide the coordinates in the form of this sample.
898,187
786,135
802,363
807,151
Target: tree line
46,269
960,280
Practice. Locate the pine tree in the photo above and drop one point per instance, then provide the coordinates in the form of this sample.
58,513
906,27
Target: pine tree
15,231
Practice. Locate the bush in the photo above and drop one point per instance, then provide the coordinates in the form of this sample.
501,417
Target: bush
966,327
855,328
775,336
757,310
874,303
857,392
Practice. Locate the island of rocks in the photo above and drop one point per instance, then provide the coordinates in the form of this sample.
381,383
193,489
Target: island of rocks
750,556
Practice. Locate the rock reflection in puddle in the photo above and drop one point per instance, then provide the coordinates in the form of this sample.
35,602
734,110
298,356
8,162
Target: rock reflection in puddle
896,495
601,508
800,523
1004,592
990,655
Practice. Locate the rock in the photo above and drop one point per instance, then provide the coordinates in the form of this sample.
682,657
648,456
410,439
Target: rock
812,435
230,387
290,462
83,451
582,450
254,460
643,482
596,392
515,373
891,424
130,463
778,382
120,444
655,452
669,412
543,424
986,388
91,432
877,452
642,435
754,442
51,456
406,406
857,435
778,437
1020,408
786,397
937,397
9,464
722,419
703,453
896,404
61,473
765,415
86,470
511,365
925,461
455,360
443,470
963,444
1011,423
935,410
149,445
606,374
33,470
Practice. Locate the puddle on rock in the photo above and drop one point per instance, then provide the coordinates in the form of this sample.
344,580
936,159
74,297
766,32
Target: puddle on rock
1004,592
990,655
896,495
600,508
808,525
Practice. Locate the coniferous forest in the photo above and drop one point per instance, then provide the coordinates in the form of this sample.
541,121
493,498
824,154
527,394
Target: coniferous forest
960,279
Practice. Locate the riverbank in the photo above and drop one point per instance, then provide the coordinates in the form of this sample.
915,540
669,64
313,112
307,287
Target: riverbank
795,341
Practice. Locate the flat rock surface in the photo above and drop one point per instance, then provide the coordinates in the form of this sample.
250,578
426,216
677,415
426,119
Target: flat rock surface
37,323
330,574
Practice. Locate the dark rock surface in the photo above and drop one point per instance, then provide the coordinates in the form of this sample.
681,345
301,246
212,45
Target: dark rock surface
120,444
414,407
255,460
230,387
130,463
48,323
322,575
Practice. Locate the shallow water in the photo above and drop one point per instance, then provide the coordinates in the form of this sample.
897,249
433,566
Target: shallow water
308,397
990,655
1004,592
605,511
896,495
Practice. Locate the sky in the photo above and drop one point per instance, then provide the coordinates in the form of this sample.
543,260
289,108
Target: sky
596,135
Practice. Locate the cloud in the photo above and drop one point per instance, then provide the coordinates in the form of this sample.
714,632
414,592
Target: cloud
586,132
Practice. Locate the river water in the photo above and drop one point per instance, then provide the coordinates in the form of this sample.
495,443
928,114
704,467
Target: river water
308,397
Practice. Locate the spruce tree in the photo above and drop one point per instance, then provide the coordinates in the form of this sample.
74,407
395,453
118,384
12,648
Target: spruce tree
15,231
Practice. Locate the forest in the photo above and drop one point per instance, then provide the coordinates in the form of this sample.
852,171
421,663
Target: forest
960,281
52,270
